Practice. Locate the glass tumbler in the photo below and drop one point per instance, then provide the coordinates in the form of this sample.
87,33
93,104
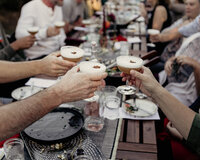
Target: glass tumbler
93,121
14,149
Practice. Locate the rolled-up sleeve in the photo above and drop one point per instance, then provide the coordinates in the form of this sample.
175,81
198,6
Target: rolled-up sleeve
193,140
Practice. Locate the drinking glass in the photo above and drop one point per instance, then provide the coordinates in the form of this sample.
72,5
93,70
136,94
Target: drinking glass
33,31
14,149
93,121
126,64
111,107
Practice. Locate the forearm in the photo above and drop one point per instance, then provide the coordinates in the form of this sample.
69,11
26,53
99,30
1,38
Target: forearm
169,36
17,116
180,115
12,71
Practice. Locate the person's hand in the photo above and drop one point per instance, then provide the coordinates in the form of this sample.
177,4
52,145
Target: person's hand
186,60
144,80
52,31
23,43
168,65
155,38
77,86
53,65
173,131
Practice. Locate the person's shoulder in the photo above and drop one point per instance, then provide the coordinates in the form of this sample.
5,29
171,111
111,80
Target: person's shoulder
160,8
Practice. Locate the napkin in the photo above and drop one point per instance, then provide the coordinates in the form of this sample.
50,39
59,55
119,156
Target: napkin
41,82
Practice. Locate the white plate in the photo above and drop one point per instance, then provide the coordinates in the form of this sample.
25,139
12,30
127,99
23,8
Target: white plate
24,92
87,21
145,108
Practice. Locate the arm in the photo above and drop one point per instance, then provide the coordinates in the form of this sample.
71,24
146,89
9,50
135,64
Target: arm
180,115
23,113
159,18
166,36
50,65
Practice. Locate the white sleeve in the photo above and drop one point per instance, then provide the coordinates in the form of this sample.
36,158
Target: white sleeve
27,19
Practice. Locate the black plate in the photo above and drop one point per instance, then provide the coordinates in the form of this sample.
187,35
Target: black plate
56,126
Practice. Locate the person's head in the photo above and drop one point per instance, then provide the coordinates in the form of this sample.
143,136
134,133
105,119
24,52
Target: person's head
57,2
192,8
78,1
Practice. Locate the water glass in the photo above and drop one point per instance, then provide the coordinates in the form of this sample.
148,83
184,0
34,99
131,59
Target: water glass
111,107
14,149
93,121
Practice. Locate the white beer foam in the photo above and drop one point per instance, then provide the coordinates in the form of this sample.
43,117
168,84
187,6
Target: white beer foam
68,52
59,23
88,67
125,61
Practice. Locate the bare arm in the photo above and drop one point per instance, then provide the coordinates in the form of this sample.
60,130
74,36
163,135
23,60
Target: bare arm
17,116
160,17
50,65
166,36
180,115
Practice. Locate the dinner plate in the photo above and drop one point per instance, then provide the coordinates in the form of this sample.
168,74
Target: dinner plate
145,108
24,92
60,124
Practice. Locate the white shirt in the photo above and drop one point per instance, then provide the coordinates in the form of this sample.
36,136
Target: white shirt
36,13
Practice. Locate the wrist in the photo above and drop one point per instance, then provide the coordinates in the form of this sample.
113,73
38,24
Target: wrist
15,46
38,67
157,91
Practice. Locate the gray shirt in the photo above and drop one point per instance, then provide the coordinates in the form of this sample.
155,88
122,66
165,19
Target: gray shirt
191,28
71,10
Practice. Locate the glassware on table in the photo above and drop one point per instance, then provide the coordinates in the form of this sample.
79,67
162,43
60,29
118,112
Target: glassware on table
126,64
93,121
33,31
111,107
14,149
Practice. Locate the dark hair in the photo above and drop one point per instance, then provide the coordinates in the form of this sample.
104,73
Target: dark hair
164,2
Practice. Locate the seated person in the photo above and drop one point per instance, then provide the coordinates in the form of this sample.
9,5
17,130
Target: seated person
181,71
157,15
74,11
186,121
42,14
72,87
192,11
184,31
12,51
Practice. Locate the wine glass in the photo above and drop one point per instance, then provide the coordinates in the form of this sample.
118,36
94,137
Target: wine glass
33,31
126,64
59,25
